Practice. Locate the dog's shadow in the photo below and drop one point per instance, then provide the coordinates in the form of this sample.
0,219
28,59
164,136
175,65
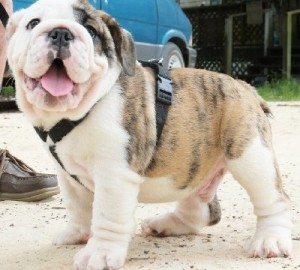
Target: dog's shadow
205,251
43,256
180,252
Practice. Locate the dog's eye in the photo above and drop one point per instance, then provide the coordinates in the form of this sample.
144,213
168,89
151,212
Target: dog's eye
92,31
33,23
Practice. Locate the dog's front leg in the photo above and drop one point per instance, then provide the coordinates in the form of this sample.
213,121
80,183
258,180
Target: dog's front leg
115,200
78,201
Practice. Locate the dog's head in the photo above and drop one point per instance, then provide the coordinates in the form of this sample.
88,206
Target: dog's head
66,54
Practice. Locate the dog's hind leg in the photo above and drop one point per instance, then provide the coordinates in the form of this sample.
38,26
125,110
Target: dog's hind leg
256,170
189,217
201,208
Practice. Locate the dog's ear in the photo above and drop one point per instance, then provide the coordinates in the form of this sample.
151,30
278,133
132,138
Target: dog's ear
13,23
124,44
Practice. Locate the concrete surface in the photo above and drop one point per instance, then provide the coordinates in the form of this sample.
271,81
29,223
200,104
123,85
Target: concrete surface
26,229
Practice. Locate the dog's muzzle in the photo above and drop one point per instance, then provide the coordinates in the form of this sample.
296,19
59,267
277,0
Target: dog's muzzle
60,39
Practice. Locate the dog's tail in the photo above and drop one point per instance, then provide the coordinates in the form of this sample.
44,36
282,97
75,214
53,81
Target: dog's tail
263,104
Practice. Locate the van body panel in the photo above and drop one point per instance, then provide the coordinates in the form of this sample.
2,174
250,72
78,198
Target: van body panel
153,24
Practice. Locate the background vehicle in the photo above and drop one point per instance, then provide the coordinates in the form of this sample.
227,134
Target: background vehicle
159,27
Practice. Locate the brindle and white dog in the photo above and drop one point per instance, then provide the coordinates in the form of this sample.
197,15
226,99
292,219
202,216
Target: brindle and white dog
71,61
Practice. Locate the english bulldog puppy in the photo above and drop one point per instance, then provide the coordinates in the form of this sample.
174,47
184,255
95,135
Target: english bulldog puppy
75,65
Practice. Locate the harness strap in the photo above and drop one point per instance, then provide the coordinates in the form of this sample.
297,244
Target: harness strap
3,15
54,154
164,93
56,133
62,128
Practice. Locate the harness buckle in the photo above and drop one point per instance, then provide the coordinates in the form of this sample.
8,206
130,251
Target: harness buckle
164,90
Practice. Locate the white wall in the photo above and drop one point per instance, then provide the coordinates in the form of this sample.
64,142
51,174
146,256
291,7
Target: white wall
194,3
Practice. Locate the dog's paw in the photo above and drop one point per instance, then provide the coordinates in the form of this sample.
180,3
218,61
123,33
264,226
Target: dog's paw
98,256
166,225
71,236
274,242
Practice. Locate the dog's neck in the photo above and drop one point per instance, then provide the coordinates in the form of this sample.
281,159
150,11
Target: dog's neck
58,131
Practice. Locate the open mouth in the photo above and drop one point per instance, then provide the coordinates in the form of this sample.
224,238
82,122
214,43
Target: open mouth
55,81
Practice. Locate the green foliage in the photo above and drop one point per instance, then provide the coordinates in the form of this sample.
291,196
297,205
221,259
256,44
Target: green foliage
277,90
8,91
280,90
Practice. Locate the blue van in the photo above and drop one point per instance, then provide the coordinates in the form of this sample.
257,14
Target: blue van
159,27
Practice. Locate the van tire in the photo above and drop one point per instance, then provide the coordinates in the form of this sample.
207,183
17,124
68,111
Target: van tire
172,56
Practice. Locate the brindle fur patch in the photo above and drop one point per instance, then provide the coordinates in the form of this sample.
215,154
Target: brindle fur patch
214,211
103,40
212,116
139,118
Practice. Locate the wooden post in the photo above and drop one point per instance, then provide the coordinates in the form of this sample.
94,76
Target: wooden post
287,44
268,30
229,39
228,45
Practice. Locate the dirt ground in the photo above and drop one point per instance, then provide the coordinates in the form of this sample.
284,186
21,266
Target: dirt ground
26,229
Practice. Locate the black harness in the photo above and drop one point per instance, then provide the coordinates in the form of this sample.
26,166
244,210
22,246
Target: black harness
56,134
164,93
164,96
3,15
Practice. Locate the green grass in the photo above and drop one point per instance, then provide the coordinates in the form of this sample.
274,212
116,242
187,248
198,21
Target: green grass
280,90
8,91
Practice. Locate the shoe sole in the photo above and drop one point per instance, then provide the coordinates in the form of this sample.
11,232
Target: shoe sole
32,196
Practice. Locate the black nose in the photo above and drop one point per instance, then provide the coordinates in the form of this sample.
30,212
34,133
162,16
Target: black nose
60,37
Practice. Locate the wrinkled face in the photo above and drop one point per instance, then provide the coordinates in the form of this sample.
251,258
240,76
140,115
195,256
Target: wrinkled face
62,52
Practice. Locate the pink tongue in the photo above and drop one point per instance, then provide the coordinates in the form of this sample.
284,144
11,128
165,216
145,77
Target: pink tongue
56,81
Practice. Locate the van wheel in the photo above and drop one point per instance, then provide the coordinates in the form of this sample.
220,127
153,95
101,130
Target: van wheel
172,56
